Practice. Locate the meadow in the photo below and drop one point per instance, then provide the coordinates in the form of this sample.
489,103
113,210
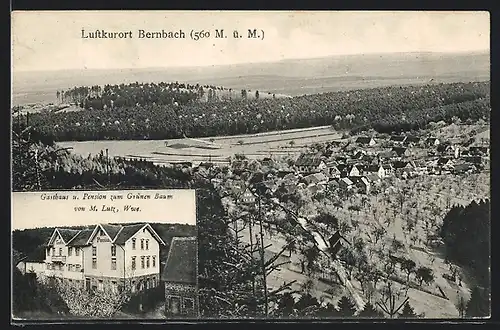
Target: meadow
253,146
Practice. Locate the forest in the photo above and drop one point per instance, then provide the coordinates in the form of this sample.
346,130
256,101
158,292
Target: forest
139,113
466,234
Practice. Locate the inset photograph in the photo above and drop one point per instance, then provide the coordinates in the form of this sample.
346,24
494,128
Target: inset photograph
74,258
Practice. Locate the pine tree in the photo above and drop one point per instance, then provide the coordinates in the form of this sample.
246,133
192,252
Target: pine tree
328,311
477,306
369,311
407,312
346,307
286,304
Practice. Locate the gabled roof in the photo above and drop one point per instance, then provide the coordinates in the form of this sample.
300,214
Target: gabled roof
95,231
372,168
347,181
65,234
412,138
365,180
364,139
308,160
386,154
398,138
373,177
443,160
400,164
462,167
182,261
342,167
399,150
479,148
111,230
81,238
17,257
130,230
316,177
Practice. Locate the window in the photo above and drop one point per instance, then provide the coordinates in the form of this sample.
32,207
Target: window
60,266
114,287
133,243
70,251
147,244
70,267
147,262
60,251
48,251
132,288
189,306
175,305
48,266
142,244
133,262
154,261
94,251
113,264
113,250
77,268
142,262
101,285
87,283
53,251
77,252
94,263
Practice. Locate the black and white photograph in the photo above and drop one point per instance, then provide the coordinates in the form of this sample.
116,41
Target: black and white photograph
340,159
74,258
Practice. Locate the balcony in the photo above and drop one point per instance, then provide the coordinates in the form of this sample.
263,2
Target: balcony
59,259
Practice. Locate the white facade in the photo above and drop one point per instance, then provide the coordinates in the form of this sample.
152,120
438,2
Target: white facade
101,260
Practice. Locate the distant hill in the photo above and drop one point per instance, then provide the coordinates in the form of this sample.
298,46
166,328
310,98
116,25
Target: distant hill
288,77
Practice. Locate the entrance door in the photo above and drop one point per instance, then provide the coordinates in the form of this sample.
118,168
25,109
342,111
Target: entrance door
87,283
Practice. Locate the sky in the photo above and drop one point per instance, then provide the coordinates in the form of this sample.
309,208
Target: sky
52,40
29,210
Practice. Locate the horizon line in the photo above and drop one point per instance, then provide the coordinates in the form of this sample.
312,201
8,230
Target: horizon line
258,62
109,223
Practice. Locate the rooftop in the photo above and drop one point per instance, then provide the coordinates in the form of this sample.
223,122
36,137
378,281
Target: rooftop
182,260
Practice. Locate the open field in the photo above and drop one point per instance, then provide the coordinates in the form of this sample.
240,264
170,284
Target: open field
188,150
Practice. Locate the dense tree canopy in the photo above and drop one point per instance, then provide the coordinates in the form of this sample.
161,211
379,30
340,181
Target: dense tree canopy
466,233
145,117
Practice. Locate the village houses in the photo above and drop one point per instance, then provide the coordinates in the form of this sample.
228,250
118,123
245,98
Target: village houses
310,163
365,140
